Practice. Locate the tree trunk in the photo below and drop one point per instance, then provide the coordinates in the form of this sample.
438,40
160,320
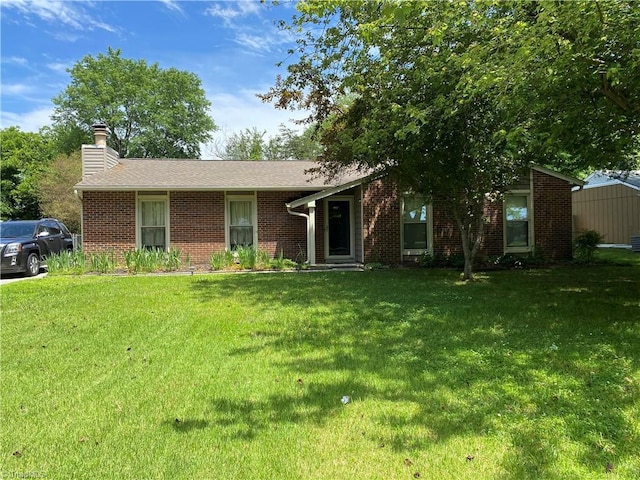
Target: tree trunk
471,224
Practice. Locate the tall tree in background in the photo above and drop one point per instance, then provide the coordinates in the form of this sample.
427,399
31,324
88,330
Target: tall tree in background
247,144
250,144
151,112
55,190
24,156
289,145
454,99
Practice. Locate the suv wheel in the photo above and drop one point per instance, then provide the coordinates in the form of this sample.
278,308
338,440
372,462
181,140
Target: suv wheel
33,265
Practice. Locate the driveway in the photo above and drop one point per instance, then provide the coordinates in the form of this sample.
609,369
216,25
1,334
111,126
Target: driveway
19,278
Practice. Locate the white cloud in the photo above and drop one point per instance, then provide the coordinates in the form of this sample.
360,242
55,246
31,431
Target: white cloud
58,67
69,14
15,89
29,121
253,42
172,5
14,61
233,10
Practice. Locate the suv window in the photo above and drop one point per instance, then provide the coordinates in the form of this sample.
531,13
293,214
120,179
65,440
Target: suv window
53,228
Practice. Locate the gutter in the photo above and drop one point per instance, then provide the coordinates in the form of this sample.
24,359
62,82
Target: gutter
78,194
311,229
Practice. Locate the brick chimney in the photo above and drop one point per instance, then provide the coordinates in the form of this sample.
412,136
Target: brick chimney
100,134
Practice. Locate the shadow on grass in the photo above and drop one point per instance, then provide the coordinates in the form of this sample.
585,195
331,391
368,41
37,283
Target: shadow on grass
186,425
545,359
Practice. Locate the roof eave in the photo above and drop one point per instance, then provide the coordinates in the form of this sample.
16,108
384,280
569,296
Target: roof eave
566,178
187,188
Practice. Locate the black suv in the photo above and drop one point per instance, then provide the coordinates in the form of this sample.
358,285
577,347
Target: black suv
25,243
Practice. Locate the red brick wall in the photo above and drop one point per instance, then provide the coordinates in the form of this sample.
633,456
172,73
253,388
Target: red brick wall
197,224
381,223
108,222
551,210
278,230
493,241
446,233
552,216
196,221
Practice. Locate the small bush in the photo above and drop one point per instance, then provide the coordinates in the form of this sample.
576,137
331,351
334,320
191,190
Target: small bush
67,263
427,260
152,260
172,260
221,260
586,245
247,257
103,262
263,260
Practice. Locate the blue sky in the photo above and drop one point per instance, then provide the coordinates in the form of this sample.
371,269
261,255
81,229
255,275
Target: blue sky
233,47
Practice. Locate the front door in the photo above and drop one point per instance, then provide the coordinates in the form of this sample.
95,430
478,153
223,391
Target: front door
339,229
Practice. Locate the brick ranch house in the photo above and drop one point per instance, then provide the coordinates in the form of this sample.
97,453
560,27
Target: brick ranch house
201,206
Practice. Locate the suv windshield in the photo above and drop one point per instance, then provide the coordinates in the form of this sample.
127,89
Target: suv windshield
15,230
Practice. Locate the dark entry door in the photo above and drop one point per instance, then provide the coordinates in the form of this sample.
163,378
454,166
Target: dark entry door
339,228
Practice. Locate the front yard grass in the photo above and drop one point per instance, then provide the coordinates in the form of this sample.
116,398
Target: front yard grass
519,375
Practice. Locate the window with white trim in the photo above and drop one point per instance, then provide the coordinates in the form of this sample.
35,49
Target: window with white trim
416,216
153,222
241,221
517,222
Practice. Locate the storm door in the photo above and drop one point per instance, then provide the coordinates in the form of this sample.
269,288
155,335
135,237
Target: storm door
339,229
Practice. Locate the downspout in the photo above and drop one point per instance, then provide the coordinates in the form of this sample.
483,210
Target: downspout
78,195
311,220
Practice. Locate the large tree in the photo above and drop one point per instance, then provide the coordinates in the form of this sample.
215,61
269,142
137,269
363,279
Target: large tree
24,156
250,144
55,190
291,145
150,111
455,99
247,144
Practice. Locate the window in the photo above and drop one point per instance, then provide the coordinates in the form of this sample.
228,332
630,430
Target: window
153,222
517,216
415,225
241,223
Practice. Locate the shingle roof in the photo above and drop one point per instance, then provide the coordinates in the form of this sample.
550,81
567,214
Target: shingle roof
144,174
601,178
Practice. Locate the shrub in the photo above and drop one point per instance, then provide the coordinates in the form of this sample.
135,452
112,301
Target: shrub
263,260
247,257
585,246
221,260
427,260
67,263
103,262
152,260
172,260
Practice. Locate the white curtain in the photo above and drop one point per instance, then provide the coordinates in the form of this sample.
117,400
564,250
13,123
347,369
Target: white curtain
153,224
240,213
240,223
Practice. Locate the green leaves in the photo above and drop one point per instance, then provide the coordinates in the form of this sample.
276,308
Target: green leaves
150,112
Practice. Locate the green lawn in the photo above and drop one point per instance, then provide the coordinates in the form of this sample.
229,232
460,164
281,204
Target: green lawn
521,374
